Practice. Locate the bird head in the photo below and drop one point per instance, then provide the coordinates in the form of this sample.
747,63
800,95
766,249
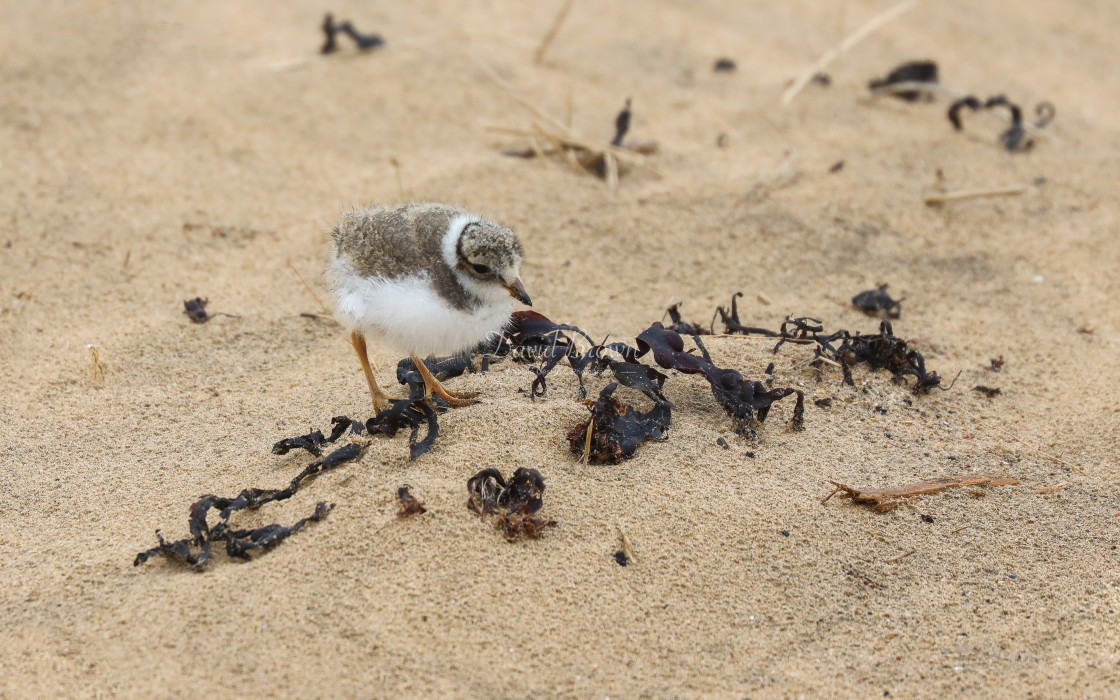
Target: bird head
488,260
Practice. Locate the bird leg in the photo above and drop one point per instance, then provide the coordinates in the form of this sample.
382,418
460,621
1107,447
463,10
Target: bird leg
380,400
454,399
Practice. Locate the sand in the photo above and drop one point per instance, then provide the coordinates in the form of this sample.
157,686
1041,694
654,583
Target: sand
153,152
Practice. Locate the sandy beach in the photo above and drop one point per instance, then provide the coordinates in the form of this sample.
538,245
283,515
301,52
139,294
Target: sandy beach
155,152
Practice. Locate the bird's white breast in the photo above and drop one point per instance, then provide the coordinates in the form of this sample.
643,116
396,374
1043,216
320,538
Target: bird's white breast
409,314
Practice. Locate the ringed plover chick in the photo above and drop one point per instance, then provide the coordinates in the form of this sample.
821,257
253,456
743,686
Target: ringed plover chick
428,278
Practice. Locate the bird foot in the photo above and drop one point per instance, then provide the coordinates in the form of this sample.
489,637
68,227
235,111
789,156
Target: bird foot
384,403
454,399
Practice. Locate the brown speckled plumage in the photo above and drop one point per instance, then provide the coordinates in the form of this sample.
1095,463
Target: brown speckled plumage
397,242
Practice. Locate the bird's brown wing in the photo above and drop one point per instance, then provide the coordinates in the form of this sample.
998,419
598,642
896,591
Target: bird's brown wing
379,242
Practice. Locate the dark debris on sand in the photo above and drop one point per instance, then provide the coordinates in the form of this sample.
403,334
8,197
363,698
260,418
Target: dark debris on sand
1014,138
617,429
876,302
910,72
515,502
196,549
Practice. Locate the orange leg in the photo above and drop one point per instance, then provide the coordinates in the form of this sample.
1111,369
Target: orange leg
455,399
380,400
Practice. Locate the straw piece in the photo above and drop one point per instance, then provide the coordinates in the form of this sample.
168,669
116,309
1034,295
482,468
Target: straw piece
864,31
538,56
940,197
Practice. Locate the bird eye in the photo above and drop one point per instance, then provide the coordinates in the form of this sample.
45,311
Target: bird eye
481,269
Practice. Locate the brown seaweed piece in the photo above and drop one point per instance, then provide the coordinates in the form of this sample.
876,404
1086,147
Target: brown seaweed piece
240,542
195,309
617,428
876,302
910,72
1015,137
516,502
410,505
883,500
745,401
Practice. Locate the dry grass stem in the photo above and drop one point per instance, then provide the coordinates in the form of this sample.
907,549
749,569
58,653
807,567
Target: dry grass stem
941,197
1052,489
309,289
867,29
902,556
98,367
883,500
538,56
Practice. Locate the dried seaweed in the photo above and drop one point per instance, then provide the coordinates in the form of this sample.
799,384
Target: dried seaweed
617,428
195,550
532,337
312,442
910,72
970,101
990,392
883,500
329,32
365,42
731,323
410,505
196,309
515,502
684,327
876,302
745,401
621,124
882,351
797,423
1014,138
411,413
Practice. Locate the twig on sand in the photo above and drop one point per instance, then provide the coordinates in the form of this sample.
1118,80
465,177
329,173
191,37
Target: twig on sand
941,197
538,56
865,30
97,368
883,500
863,578
901,556
309,289
1052,489
587,442
627,547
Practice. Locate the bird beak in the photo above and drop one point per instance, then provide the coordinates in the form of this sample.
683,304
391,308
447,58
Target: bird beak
517,291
